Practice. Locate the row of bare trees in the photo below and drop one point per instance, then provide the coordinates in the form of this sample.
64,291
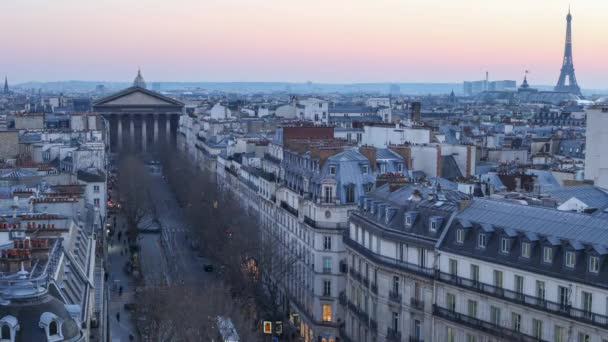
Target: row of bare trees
253,259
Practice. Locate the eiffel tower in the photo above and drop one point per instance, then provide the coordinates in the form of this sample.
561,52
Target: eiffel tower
568,66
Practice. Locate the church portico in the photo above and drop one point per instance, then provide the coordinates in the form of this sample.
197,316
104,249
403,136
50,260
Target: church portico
138,119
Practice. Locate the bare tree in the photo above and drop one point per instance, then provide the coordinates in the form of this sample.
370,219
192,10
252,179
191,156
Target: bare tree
133,182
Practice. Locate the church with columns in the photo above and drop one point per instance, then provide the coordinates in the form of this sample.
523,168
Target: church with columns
137,119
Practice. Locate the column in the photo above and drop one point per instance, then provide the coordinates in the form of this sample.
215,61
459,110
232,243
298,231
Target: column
132,129
119,145
155,129
168,128
144,133
108,133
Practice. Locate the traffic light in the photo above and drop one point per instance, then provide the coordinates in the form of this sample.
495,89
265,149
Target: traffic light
267,327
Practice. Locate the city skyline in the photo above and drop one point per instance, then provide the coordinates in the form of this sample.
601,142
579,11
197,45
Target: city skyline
383,41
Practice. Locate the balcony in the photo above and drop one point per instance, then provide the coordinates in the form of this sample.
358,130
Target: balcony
289,208
362,315
415,339
365,282
389,262
355,275
484,326
324,225
272,159
374,288
393,335
394,296
527,300
417,303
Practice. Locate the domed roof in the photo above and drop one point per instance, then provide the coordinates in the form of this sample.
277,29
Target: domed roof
602,100
139,80
29,314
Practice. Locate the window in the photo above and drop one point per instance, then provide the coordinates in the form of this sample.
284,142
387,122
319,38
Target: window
451,301
495,315
332,169
540,289
96,189
587,301
525,249
519,283
400,167
537,328
327,243
328,194
471,338
460,236
594,264
548,255
433,226
505,245
417,330
5,333
53,329
408,220
365,168
451,336
570,260
498,278
560,334
563,296
395,321
482,240
326,264
582,337
515,321
96,202
326,312
327,288
453,267
472,308
475,273
350,194
396,284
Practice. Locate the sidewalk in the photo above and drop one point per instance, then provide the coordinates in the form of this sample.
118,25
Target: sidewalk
119,331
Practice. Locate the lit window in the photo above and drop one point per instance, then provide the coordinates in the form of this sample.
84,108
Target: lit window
570,260
594,264
525,249
482,240
460,236
548,255
326,312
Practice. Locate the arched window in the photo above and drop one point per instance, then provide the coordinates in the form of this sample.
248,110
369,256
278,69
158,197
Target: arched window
5,332
53,329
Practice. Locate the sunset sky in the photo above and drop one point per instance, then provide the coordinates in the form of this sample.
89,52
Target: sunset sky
299,40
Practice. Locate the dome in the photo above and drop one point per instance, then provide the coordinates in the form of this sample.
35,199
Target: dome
32,315
139,80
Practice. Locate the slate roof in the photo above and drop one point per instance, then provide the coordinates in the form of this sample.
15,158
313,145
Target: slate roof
588,194
539,220
545,179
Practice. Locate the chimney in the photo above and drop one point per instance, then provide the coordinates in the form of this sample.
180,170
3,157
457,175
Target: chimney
405,152
370,153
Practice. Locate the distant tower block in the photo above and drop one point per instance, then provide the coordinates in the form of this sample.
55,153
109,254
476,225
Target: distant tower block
6,90
567,70
415,115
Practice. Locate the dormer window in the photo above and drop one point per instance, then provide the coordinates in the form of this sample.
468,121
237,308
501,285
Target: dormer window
365,169
594,264
408,220
332,170
570,259
8,328
548,255
525,249
482,240
460,236
505,245
433,226
400,167
52,326
435,223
